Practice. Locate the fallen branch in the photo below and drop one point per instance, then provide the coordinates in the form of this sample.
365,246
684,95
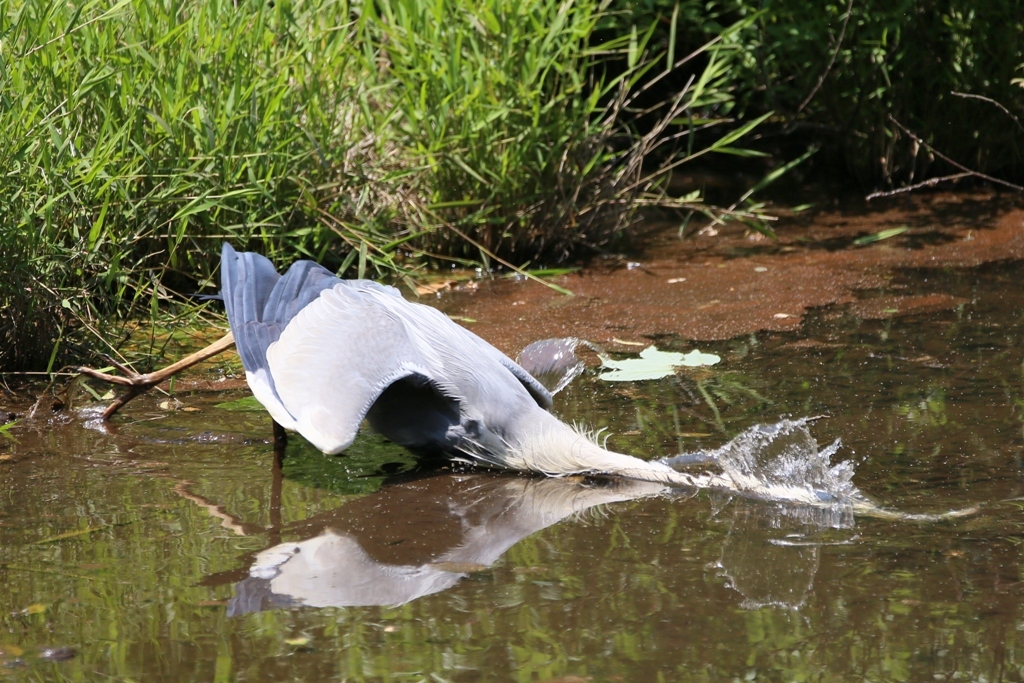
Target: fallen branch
967,95
139,384
917,186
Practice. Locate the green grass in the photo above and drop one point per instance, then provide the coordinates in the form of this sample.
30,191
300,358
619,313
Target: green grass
137,135
504,127
846,75
382,138
903,63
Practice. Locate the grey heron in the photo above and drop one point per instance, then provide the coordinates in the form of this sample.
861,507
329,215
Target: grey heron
323,354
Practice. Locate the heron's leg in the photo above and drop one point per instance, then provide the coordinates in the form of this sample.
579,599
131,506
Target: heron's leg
139,384
280,439
276,488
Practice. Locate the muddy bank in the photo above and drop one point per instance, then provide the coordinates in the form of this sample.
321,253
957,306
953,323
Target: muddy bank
724,283
719,283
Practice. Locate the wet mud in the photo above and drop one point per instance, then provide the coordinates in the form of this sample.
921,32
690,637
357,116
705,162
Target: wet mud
728,281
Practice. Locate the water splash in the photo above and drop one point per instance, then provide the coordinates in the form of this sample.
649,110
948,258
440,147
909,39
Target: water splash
784,463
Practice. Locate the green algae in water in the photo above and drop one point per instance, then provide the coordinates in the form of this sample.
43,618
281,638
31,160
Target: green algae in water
362,469
246,404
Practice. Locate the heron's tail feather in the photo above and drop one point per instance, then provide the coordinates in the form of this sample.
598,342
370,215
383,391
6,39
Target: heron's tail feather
246,282
260,302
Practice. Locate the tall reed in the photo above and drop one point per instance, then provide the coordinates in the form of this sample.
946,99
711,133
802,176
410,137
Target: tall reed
136,135
856,76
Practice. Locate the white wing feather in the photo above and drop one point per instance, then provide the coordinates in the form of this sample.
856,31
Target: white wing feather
334,359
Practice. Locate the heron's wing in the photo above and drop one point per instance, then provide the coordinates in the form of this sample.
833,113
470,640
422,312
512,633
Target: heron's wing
459,349
246,282
299,287
334,359
259,304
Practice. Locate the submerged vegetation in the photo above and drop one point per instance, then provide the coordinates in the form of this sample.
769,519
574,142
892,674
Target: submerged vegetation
383,137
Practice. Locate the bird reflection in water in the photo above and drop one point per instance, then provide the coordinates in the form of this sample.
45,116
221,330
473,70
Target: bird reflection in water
421,536
415,538
418,536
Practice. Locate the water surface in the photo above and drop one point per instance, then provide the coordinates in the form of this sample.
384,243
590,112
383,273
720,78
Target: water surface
179,548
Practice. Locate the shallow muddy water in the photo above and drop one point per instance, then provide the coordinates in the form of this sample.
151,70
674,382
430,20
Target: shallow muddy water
178,548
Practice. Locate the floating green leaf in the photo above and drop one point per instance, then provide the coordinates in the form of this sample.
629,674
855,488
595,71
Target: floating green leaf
654,364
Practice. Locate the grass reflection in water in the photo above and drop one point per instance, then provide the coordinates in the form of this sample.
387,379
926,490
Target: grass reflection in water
101,552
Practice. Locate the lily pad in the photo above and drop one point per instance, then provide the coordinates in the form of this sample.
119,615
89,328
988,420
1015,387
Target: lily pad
654,364
699,359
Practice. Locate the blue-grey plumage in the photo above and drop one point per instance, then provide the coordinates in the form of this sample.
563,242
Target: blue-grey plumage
323,354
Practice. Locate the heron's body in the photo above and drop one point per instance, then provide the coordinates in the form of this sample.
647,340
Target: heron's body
323,354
